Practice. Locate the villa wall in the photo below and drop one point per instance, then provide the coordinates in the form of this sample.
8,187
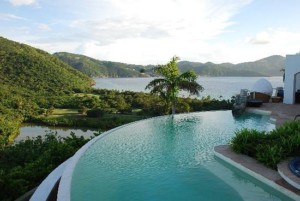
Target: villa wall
292,78
298,81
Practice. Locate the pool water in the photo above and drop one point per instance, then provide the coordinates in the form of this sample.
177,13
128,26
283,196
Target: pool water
168,158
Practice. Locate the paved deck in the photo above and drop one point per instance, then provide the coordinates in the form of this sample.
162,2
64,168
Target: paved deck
281,112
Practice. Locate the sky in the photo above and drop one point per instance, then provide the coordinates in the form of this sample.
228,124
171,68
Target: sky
152,31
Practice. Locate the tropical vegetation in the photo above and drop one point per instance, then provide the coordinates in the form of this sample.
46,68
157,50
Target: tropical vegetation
172,82
269,148
25,164
103,109
29,79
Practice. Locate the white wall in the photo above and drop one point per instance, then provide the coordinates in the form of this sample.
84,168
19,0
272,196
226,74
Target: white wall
292,79
298,81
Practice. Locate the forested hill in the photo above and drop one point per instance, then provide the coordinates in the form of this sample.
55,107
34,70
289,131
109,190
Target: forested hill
28,68
97,68
269,66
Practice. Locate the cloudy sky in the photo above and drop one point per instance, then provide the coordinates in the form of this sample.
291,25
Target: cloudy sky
152,31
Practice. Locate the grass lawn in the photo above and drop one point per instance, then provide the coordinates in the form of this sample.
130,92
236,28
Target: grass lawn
128,117
74,112
72,118
65,112
84,94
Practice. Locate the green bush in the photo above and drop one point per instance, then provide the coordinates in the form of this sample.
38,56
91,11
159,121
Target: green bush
270,155
25,164
95,113
271,147
246,140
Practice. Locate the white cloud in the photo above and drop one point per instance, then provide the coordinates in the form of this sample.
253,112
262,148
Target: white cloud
151,32
260,39
276,37
44,27
22,2
7,16
280,42
178,27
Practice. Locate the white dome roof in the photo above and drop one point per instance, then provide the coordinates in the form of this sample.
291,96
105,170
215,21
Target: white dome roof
263,86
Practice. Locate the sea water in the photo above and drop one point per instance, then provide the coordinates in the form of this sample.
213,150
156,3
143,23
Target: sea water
216,87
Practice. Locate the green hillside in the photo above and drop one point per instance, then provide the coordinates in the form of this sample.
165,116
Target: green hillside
30,79
97,68
26,67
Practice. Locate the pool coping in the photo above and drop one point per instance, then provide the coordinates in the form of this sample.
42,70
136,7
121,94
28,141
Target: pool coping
255,169
45,188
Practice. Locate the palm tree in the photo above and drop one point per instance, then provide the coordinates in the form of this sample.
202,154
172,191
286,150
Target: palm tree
171,82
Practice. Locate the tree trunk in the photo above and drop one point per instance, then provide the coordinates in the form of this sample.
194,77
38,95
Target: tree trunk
173,108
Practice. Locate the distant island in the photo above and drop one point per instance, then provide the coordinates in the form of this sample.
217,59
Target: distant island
266,67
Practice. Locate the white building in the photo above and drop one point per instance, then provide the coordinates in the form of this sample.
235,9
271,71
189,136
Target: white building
292,79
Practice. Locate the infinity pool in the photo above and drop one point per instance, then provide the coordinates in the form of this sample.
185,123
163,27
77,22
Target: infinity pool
168,158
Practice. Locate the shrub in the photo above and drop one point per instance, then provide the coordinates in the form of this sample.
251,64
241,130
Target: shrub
95,113
83,110
269,147
246,140
24,165
270,155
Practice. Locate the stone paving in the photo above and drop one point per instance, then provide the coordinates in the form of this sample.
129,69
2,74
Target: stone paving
281,112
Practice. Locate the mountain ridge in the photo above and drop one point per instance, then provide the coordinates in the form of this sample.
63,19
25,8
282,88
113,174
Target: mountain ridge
265,67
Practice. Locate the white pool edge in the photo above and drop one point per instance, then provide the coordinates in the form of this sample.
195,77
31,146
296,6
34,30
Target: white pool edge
258,111
288,180
259,177
261,112
44,189
64,189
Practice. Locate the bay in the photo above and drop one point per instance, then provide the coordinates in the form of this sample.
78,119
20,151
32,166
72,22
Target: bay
216,87
32,131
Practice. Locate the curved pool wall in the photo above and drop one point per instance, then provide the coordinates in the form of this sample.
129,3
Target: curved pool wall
64,189
192,170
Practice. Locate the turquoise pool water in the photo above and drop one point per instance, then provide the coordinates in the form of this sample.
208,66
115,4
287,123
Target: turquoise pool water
168,159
